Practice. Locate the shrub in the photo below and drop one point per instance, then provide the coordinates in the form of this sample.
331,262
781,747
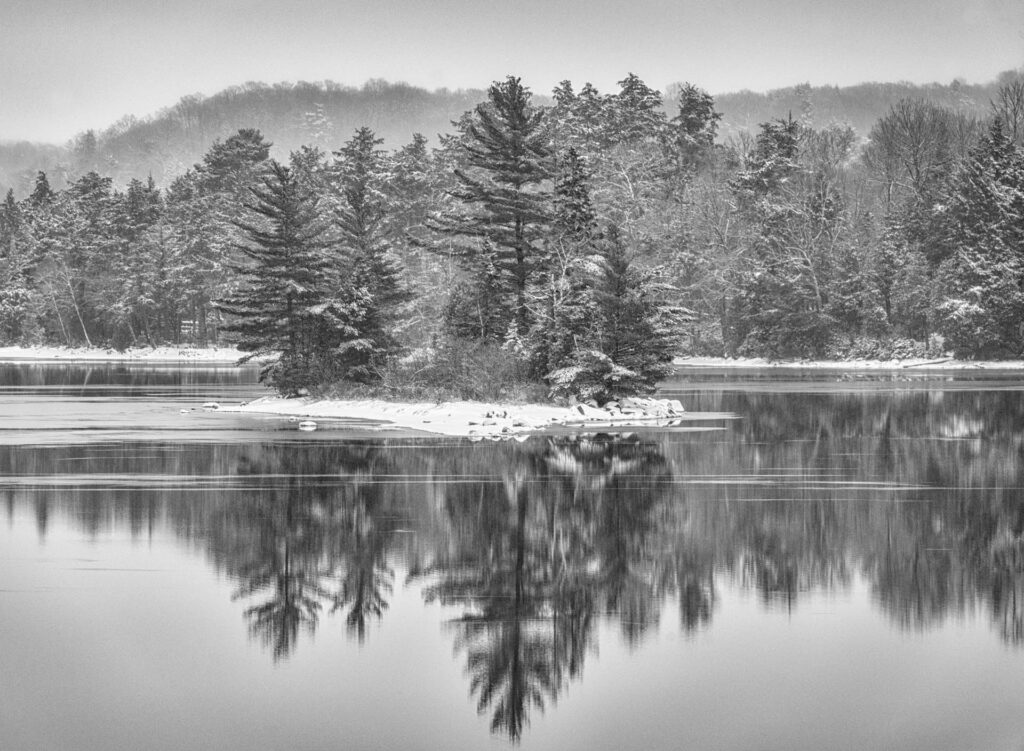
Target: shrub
593,375
453,369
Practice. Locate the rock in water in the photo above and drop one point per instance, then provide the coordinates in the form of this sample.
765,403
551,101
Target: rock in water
307,425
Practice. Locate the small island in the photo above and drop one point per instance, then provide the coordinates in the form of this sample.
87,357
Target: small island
545,264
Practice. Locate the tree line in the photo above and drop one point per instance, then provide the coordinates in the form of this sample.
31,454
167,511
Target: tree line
587,240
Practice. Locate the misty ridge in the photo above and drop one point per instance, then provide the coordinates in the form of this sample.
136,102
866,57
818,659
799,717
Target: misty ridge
325,114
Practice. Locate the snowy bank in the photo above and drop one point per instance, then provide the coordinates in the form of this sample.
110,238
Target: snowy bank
473,419
226,355
946,363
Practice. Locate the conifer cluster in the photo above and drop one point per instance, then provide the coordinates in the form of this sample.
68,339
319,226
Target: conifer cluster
579,245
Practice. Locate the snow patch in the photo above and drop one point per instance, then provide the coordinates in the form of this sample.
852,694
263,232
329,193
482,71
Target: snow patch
760,362
472,419
227,355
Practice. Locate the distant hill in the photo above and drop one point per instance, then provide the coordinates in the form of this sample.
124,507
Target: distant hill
859,106
165,144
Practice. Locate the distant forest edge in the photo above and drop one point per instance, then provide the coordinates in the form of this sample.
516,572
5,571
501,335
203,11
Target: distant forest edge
164,145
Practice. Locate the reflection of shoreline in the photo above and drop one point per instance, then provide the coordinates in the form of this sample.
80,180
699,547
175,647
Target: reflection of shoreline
535,543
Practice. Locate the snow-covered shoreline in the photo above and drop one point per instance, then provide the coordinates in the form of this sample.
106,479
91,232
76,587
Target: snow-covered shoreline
167,354
229,356
472,419
760,362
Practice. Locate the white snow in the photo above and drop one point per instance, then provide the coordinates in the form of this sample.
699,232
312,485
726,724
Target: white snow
759,362
135,354
473,419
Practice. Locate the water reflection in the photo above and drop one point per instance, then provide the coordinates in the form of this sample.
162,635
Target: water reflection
307,542
533,554
531,546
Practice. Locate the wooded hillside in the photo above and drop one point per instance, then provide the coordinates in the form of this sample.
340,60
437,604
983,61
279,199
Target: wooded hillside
164,144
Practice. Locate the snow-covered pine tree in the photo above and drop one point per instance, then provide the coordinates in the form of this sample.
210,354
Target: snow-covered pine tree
634,335
16,294
504,199
694,128
561,310
366,242
293,306
982,282
41,192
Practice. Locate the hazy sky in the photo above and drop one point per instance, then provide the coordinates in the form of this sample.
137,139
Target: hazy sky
68,65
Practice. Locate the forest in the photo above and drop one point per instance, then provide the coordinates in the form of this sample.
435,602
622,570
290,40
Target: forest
582,240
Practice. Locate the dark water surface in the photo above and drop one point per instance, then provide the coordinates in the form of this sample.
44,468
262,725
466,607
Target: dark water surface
842,567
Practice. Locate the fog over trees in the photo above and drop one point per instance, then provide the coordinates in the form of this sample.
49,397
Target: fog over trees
325,113
556,230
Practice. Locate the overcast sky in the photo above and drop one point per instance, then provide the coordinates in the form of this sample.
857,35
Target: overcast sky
68,65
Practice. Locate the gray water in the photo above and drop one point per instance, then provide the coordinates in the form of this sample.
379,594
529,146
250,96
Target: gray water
841,567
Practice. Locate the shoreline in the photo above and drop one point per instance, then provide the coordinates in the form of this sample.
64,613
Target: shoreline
476,420
946,363
230,355
164,354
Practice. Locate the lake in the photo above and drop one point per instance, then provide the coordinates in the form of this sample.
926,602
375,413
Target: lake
841,566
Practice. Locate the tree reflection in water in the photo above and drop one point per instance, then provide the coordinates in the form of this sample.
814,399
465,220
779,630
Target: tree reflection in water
534,553
914,493
305,540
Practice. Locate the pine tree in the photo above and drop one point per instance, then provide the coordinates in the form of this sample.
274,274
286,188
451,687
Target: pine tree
203,205
635,112
504,195
17,299
130,305
694,127
562,310
624,138
982,283
292,306
634,333
41,192
365,238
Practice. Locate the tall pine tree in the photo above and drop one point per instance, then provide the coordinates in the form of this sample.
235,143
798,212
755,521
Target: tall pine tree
291,307
365,239
982,283
504,196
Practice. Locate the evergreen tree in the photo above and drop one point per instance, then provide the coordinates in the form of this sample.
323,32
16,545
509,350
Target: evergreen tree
563,304
203,206
41,192
292,306
504,196
365,239
131,304
635,113
982,283
694,128
634,334
17,298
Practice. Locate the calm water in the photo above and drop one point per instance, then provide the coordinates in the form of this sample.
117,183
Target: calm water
841,567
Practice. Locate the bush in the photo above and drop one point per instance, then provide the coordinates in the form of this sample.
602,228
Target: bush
592,375
895,348
453,369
